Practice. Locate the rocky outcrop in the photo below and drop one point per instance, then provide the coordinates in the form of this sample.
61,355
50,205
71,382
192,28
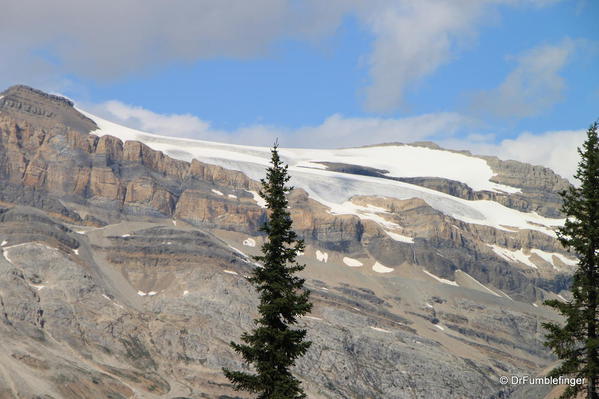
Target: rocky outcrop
42,109
540,187
129,177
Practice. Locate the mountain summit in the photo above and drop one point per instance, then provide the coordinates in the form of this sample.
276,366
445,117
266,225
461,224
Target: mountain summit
43,110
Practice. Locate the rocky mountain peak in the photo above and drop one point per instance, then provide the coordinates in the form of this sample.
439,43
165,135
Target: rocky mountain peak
124,257
43,110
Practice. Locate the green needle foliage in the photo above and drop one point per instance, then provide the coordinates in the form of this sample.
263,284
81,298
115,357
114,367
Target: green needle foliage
576,342
273,346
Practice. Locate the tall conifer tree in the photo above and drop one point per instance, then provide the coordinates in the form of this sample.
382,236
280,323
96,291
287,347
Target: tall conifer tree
273,346
576,342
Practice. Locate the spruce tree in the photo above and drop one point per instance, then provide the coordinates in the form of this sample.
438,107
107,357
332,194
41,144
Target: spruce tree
576,342
273,346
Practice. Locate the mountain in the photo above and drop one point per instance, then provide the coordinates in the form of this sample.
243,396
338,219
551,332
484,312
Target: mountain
125,255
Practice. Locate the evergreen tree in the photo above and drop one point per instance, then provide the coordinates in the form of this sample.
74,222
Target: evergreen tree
576,342
273,346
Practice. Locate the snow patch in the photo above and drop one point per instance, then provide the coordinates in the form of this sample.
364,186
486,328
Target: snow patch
322,256
368,212
249,242
312,318
233,196
76,251
441,280
440,327
380,329
3,243
259,200
38,287
352,262
562,298
548,257
175,222
185,293
504,294
217,192
428,305
230,272
380,268
239,251
566,260
141,293
152,293
400,237
480,284
513,255
535,305
126,235
5,253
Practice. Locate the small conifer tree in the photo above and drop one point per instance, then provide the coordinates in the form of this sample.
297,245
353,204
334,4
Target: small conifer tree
273,346
576,342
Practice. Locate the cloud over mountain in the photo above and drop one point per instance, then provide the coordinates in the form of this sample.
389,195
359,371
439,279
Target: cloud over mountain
109,40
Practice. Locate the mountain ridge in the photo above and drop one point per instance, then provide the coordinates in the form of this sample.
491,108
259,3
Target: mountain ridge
129,267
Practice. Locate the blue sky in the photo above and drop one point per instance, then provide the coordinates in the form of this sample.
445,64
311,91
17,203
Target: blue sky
492,76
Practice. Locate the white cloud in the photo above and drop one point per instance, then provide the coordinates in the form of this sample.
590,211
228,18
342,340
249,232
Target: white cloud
335,131
47,40
534,85
338,131
113,38
177,125
412,40
554,149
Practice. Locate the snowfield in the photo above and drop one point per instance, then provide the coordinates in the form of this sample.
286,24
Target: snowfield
548,257
400,237
352,262
439,279
335,189
380,268
513,255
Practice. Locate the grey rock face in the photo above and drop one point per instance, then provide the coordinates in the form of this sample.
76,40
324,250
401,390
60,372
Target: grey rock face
76,320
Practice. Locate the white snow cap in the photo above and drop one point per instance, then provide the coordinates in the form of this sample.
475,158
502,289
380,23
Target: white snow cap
335,189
